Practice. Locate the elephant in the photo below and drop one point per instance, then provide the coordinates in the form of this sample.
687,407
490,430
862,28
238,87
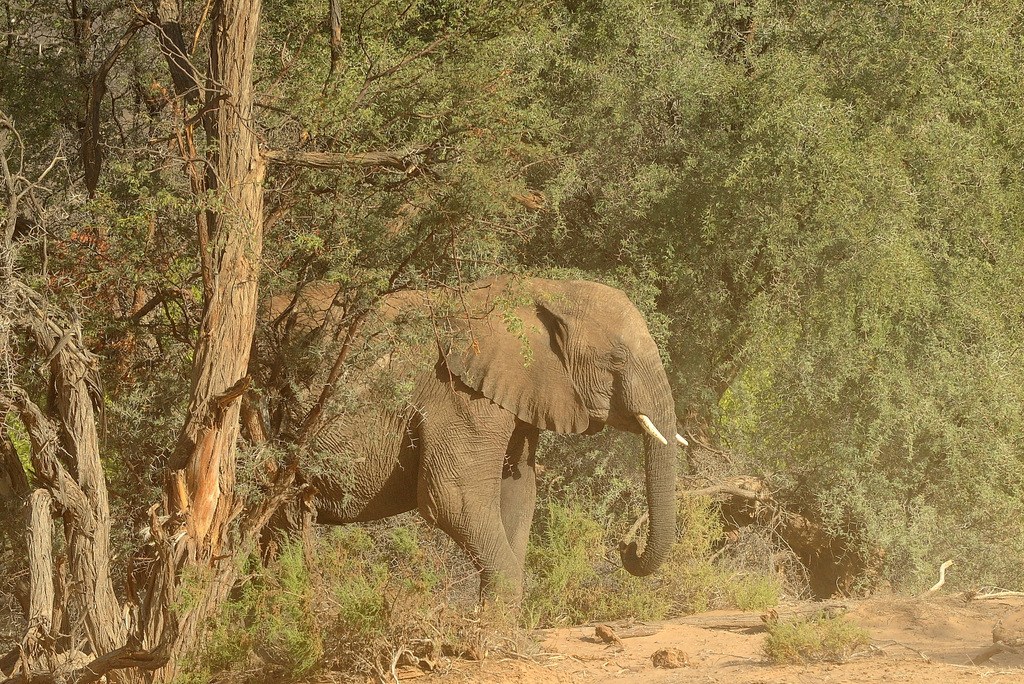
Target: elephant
504,359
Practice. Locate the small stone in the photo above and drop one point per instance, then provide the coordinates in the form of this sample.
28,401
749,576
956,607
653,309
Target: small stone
670,658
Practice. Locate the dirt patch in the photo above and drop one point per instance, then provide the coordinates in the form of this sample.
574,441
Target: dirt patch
924,641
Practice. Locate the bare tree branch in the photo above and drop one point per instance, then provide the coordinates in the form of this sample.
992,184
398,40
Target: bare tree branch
91,137
730,490
400,160
65,489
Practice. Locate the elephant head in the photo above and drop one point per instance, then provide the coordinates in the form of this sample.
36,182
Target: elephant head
574,356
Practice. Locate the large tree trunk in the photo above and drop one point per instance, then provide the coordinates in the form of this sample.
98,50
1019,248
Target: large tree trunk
88,554
66,463
201,485
206,445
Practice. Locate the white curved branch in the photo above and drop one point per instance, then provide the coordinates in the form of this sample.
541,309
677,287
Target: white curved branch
942,578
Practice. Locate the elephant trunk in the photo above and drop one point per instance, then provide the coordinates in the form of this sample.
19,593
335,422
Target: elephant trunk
660,462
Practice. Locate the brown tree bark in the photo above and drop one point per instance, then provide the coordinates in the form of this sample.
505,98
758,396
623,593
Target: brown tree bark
81,497
206,444
71,485
82,500
201,487
88,558
92,153
336,20
13,481
172,44
39,545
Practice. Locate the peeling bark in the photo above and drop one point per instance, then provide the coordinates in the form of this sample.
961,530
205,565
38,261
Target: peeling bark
201,488
39,545
82,500
206,445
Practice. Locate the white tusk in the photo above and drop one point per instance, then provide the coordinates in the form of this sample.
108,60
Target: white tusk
649,427
681,440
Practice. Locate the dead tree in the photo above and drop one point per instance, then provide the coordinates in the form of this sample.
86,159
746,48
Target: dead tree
71,488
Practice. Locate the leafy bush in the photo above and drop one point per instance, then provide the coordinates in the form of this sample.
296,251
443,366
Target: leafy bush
354,597
569,584
819,638
348,599
570,587
751,592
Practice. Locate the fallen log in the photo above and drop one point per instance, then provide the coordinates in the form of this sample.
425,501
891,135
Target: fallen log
751,620
639,631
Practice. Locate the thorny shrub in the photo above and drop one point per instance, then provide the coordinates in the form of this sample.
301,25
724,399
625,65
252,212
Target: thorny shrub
355,599
814,639
570,586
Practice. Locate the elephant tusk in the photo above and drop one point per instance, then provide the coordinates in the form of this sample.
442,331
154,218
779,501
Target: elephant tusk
650,429
681,440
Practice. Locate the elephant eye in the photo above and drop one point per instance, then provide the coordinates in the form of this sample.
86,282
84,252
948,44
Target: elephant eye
617,358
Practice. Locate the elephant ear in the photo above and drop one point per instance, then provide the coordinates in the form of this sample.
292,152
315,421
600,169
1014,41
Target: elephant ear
517,362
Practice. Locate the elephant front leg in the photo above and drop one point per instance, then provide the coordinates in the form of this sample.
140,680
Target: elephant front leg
519,488
460,490
471,515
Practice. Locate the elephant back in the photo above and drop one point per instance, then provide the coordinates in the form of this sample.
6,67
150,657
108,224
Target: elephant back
304,332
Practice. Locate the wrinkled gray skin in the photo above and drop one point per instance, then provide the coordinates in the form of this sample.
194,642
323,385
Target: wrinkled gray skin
462,452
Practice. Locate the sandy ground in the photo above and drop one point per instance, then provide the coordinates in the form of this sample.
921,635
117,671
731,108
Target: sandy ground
924,641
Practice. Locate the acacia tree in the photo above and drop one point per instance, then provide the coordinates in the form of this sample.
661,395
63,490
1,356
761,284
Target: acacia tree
200,488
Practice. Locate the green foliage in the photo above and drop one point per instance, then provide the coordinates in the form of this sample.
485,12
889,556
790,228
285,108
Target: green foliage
570,582
815,639
752,593
568,590
347,598
820,202
15,431
451,87
226,648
